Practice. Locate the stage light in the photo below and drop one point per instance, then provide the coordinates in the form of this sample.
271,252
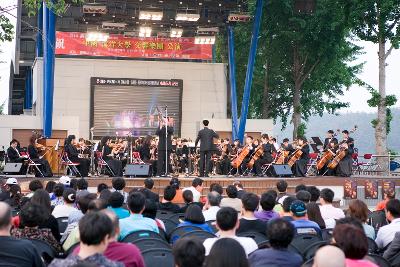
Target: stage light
176,33
96,36
113,25
150,15
204,40
144,32
187,17
94,9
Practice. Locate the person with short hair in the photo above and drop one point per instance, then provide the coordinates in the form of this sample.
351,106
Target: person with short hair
33,186
188,198
232,200
82,186
136,221
240,189
328,212
281,186
227,252
166,203
148,185
217,188
300,219
95,230
194,217
359,210
324,256
304,196
248,222
227,224
67,208
175,183
315,193
188,252
206,137
58,192
101,187
286,213
150,211
280,234
118,184
386,233
267,203
300,187
116,201
15,252
196,188
212,206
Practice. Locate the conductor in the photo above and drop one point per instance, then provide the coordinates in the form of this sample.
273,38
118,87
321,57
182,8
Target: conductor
206,137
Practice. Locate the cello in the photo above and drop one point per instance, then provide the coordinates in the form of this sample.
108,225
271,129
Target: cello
239,159
256,155
327,156
338,157
296,155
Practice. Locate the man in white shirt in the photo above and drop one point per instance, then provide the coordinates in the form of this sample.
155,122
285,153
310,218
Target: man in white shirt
329,213
386,233
227,223
212,206
196,188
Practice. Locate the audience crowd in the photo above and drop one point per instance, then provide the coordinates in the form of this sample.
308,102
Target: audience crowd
66,223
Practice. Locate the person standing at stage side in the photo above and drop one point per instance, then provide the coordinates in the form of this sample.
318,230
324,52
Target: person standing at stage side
206,137
162,148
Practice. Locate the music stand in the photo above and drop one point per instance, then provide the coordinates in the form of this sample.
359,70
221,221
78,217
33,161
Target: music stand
314,148
317,141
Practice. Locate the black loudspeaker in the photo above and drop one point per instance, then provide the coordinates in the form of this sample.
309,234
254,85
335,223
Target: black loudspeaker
282,170
137,170
12,168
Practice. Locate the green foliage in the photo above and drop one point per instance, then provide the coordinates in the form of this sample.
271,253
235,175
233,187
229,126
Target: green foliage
57,6
2,108
6,29
374,101
301,130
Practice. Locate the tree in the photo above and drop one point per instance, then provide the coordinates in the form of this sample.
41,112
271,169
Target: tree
378,21
6,29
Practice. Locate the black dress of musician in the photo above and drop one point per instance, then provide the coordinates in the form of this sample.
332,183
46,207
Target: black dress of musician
299,168
266,157
344,167
330,138
107,155
164,147
206,137
147,154
225,162
73,155
182,152
34,156
14,156
249,144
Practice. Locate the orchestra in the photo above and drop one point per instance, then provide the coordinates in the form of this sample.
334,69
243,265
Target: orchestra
214,156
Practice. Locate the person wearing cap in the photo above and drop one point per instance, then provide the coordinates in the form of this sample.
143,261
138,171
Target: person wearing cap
206,137
300,219
65,180
5,194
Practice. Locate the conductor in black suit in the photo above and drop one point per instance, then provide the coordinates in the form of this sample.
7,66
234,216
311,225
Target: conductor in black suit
162,148
206,138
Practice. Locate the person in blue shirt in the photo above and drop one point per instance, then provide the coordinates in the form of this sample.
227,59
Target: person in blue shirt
300,219
136,221
116,201
194,217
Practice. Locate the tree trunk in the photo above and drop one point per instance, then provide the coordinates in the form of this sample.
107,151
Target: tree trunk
380,129
265,105
296,117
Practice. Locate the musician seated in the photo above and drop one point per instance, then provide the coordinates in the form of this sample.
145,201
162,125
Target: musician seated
344,167
333,148
266,157
74,156
106,147
286,146
14,156
299,168
224,164
33,153
249,145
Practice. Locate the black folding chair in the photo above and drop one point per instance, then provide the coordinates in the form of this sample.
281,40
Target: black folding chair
258,237
395,260
372,246
302,241
141,234
157,257
199,234
180,231
163,214
45,250
149,243
62,224
169,225
379,260
311,250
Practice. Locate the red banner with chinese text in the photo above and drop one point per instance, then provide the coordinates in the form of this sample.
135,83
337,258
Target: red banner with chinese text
74,43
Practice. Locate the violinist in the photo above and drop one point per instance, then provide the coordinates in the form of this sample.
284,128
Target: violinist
33,153
330,138
299,168
148,152
106,147
73,155
13,155
266,157
225,160
344,167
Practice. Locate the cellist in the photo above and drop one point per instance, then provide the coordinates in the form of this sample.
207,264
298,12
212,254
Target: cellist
299,168
249,144
344,167
266,157
330,137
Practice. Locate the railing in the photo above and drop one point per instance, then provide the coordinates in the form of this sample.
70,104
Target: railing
373,165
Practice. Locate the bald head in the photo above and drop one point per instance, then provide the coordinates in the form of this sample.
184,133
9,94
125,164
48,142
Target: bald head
5,216
324,256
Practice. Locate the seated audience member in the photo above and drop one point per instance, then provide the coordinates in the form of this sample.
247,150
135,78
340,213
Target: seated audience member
359,210
5,194
220,256
393,249
150,211
95,230
314,214
15,197
105,195
188,252
216,187
136,221
15,252
146,190
232,200
278,206
248,222
315,193
32,215
300,220
196,188
101,187
33,186
116,202
194,217
286,214
267,203
353,242
328,212
227,224
126,253
188,199
386,233
304,196
178,199
58,192
281,186
166,204
382,204
280,234
212,206
65,209
325,255
240,190
50,188
82,186
300,187
118,184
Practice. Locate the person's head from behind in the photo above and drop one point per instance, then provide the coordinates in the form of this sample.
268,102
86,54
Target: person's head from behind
188,252
150,209
220,256
187,196
280,233
58,190
105,195
231,191
35,185
393,209
315,193
287,202
267,201
84,201
359,210
115,222
324,256
101,187
227,219
281,185
50,186
118,183
5,219
175,183
136,202
300,187
95,228
97,205
116,200
214,198
351,240
82,184
350,220
32,215
298,210
217,188
169,193
326,196
42,198
250,202
69,195
314,214
194,214
205,123
238,185
148,183
304,196
198,184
